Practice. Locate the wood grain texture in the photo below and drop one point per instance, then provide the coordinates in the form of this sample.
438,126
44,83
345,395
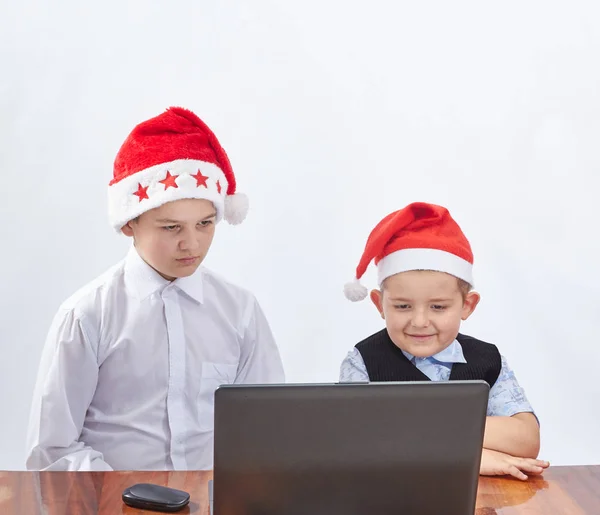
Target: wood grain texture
561,490
91,493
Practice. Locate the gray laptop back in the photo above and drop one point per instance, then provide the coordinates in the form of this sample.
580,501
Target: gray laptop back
348,449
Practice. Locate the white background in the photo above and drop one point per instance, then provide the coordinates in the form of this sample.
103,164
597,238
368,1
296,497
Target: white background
334,113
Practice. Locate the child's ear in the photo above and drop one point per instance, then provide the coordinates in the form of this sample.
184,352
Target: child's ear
377,300
469,304
127,230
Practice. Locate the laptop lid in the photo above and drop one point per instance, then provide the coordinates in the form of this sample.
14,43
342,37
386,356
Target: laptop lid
345,449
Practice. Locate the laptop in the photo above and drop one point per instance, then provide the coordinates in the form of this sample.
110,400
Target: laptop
348,448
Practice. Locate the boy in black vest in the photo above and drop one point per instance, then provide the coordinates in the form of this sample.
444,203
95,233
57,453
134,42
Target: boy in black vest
424,264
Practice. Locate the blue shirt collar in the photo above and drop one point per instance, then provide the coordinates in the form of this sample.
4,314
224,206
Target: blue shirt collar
451,354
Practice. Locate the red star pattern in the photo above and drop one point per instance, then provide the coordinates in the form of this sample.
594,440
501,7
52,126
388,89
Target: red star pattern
142,192
200,179
218,186
169,181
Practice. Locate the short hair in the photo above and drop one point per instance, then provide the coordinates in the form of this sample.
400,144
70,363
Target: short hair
464,287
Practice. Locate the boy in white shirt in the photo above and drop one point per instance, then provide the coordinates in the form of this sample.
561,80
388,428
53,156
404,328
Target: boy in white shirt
132,360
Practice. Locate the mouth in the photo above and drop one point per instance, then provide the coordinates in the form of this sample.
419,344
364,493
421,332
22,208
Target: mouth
420,337
188,260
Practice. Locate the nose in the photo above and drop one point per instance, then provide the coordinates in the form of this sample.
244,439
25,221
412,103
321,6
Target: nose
189,241
420,318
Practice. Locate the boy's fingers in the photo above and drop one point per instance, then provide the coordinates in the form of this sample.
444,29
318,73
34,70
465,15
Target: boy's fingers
532,469
530,465
514,471
542,463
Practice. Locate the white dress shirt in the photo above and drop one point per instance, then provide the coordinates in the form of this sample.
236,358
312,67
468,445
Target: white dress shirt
130,366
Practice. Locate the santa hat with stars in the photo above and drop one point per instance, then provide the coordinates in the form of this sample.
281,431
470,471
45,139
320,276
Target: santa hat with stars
170,157
420,236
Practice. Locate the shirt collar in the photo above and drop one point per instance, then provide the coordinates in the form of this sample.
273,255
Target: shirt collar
192,285
451,354
142,280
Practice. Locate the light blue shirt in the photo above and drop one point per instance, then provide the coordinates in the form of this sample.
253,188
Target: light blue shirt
506,397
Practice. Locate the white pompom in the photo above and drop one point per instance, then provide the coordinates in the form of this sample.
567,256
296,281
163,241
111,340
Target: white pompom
236,208
355,291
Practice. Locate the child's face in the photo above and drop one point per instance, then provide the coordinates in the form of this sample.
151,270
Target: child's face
175,237
423,310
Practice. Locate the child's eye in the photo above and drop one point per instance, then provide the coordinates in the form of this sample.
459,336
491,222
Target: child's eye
206,223
438,307
401,306
170,227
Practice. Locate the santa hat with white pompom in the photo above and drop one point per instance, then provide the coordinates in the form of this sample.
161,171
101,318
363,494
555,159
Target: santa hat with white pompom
420,236
170,157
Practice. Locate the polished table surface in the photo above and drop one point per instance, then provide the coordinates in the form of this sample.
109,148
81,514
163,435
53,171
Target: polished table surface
561,490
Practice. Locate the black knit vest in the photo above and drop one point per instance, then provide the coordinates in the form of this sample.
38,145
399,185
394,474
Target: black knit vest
386,362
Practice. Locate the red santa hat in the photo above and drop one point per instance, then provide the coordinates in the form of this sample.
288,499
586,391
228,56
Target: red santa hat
170,157
419,237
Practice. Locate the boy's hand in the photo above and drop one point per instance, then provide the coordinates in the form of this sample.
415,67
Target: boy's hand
494,463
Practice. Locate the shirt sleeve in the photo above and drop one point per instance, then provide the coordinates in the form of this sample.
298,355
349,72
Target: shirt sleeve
66,382
260,360
353,369
506,397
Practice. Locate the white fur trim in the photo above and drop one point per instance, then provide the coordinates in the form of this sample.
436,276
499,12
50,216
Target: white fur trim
424,259
124,205
236,208
355,291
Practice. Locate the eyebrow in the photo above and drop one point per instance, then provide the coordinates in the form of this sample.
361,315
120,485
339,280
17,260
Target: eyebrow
440,299
170,221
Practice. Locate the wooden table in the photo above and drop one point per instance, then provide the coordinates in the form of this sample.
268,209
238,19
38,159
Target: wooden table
561,490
